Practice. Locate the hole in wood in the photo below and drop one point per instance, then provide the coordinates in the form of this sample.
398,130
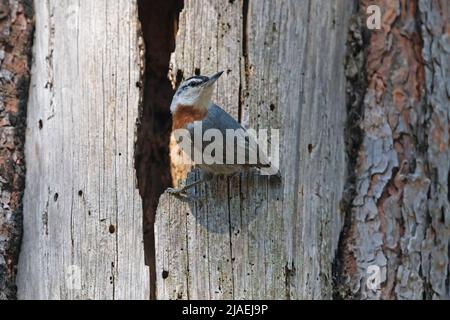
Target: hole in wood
159,21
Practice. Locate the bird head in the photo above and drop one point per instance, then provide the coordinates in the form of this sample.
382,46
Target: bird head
195,92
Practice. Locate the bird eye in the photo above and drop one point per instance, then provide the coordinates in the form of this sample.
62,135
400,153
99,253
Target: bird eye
194,84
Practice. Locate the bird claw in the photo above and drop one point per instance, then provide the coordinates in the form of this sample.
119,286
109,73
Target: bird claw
181,194
175,191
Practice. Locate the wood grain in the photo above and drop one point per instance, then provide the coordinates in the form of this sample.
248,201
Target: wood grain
253,237
82,210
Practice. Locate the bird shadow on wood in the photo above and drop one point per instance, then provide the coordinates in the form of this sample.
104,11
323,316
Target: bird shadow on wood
231,204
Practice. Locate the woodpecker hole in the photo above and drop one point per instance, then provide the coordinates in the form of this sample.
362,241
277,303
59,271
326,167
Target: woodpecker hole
159,23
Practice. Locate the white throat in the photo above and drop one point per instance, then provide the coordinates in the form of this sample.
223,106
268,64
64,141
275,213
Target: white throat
200,101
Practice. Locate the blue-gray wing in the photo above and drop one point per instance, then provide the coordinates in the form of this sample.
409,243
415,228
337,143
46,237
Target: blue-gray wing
218,118
242,146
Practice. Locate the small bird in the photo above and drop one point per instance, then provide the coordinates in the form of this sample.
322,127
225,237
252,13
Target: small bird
191,107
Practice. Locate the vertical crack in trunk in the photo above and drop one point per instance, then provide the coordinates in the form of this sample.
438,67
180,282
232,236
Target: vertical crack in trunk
356,60
159,22
245,73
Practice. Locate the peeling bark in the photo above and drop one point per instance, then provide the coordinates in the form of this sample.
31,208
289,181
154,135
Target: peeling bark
399,211
16,29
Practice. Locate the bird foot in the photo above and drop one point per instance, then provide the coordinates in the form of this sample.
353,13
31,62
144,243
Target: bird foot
176,191
181,194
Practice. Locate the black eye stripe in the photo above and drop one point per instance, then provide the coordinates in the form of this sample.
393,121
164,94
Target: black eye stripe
191,82
201,78
194,84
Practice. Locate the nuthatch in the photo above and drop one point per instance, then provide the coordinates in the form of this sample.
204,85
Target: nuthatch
192,107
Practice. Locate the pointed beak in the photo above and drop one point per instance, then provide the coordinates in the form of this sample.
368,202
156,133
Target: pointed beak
214,78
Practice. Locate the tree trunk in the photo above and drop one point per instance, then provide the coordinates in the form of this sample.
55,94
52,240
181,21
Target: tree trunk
253,237
16,29
362,210
399,217
82,210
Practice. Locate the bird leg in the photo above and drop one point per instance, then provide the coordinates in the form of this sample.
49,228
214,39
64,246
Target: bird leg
182,190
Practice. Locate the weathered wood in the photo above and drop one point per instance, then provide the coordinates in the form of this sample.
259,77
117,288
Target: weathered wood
254,237
82,210
16,30
399,219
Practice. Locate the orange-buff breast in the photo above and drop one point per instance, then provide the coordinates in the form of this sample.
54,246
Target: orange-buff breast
184,115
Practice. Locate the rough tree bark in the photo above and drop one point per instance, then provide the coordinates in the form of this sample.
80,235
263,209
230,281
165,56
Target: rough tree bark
399,217
16,29
82,210
253,237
